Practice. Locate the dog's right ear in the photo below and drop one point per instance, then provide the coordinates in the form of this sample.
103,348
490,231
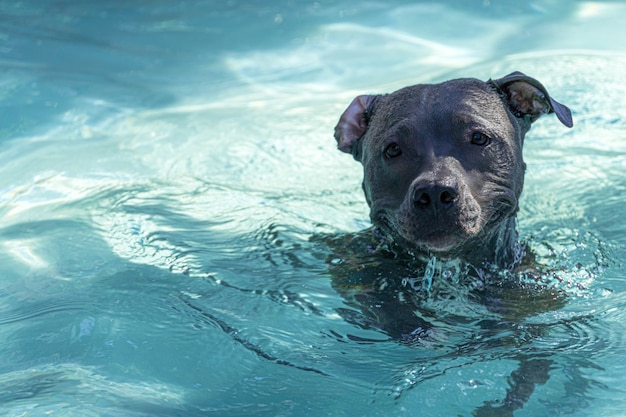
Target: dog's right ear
353,124
527,97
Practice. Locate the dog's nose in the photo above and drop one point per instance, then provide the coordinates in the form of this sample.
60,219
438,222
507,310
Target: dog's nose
435,196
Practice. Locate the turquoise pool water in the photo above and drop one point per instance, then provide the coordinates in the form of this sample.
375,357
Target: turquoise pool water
168,178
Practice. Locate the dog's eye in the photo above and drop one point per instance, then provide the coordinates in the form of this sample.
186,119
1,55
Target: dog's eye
480,139
393,150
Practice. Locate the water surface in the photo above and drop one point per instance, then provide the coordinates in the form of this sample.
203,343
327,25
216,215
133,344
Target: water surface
167,170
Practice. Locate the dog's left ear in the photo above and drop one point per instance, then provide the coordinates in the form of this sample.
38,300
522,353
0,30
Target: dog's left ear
527,97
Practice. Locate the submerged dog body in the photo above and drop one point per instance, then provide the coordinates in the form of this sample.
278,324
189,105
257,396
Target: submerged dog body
443,166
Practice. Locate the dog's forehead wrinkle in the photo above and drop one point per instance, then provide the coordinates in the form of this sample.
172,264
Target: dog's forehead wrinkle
475,105
404,127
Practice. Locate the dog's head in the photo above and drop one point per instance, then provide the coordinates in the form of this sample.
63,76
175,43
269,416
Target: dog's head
443,167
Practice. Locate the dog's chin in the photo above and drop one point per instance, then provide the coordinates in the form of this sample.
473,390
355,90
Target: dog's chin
440,243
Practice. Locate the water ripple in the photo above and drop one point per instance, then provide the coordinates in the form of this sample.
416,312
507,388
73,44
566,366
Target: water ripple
208,318
37,310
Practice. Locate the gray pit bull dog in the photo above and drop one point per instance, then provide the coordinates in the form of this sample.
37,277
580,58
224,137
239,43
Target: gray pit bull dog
443,166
